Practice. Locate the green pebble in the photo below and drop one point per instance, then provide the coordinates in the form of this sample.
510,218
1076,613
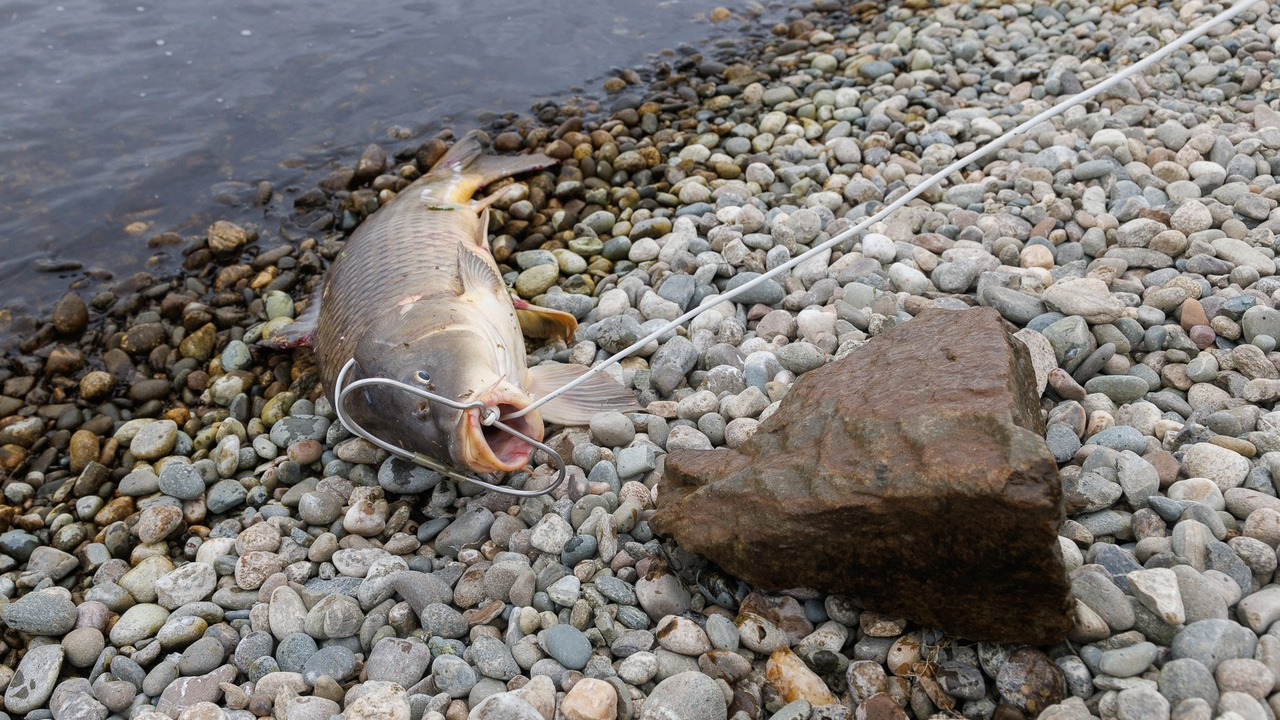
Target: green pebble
569,261
536,280
278,304
586,246
277,407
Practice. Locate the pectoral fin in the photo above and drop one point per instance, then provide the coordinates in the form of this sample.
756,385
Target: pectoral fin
478,275
541,323
600,393
300,332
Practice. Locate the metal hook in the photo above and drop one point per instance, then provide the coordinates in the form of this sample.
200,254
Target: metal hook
489,417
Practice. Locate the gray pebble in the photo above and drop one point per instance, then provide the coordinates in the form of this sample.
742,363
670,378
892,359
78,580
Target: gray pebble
453,675
568,646
181,481
1185,678
1212,641
335,661
687,695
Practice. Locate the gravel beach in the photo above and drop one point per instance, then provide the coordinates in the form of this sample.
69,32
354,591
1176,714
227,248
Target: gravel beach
188,532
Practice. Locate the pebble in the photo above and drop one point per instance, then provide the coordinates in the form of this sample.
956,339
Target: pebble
1141,703
453,675
83,646
1224,467
686,695
1030,681
1212,641
335,661
1157,589
504,706
33,680
181,481
1185,678
48,612
1127,661
590,699
294,650
154,440
378,700
683,636
137,623
569,646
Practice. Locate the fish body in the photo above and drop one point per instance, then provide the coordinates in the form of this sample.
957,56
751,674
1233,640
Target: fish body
415,296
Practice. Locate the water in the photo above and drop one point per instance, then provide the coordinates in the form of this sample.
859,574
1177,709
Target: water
124,120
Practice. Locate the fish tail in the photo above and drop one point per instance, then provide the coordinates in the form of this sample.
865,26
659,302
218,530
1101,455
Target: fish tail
465,168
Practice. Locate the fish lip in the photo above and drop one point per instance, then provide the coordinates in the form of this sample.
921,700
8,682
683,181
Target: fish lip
490,449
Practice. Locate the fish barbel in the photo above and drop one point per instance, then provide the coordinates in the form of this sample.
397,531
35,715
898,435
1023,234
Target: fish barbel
415,296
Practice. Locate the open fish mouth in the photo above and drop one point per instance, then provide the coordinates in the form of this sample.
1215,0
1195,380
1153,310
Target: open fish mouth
488,448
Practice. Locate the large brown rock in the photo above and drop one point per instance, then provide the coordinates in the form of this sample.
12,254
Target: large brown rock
912,474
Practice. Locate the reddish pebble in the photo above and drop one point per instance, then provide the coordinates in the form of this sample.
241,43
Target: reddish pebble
197,380
882,707
1166,465
305,452
1065,385
1203,336
1192,314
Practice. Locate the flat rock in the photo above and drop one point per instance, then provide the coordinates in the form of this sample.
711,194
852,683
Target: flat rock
33,682
187,691
1087,297
928,492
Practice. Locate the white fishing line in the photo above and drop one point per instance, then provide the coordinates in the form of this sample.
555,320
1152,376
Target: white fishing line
915,192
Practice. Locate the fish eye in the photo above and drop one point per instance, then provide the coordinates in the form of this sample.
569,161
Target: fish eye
422,377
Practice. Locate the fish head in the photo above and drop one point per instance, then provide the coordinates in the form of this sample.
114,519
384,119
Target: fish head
459,366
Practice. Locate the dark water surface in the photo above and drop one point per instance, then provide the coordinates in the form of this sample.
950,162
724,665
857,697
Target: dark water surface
122,120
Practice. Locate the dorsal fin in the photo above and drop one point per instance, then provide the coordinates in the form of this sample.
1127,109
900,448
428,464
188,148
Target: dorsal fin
478,276
465,169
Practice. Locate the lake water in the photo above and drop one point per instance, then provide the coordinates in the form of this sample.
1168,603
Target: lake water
127,119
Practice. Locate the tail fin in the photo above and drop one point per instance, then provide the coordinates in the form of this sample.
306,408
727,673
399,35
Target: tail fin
465,168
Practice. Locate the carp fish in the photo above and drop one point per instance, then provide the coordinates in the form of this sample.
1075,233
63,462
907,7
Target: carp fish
415,296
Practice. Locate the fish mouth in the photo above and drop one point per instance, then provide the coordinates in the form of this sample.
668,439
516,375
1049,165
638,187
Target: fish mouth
488,448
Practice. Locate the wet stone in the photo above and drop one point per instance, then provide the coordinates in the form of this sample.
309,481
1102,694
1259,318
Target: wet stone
154,440
961,681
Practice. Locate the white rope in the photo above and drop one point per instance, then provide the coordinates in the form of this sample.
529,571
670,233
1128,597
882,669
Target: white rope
915,192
